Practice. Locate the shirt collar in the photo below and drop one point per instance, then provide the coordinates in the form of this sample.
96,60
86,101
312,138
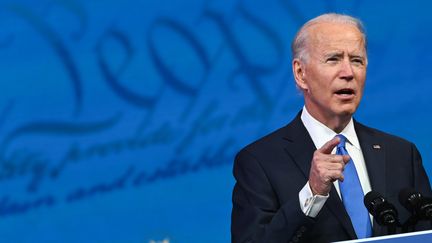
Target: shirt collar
321,134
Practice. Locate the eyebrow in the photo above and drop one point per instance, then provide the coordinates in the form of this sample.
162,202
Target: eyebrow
357,56
341,54
334,54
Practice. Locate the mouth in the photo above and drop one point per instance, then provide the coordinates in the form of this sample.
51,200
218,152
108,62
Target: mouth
345,93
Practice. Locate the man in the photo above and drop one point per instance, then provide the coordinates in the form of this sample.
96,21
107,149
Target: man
291,186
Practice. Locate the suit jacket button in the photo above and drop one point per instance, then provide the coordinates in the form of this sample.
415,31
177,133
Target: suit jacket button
295,239
303,229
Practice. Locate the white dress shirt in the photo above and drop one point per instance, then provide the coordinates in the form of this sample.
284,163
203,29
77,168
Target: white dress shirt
320,134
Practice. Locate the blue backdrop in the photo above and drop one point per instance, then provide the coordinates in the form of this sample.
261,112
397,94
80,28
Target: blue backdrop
119,120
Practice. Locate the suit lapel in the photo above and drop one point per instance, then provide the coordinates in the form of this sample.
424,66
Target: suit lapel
301,146
335,205
374,155
301,149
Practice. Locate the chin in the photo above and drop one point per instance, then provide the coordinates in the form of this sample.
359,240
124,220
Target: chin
346,112
350,106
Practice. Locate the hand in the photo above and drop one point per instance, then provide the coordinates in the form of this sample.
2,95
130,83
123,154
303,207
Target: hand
326,168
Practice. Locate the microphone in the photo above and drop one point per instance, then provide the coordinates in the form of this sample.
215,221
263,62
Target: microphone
384,213
419,206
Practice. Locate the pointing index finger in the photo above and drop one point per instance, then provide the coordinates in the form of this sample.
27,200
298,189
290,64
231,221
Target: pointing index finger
328,147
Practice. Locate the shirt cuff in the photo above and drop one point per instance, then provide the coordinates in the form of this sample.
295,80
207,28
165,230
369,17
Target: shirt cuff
311,205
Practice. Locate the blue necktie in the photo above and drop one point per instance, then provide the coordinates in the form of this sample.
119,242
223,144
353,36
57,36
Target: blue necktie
352,195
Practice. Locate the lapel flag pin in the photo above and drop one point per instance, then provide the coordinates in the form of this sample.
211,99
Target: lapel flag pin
376,146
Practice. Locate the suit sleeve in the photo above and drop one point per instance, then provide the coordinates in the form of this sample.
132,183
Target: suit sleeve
257,215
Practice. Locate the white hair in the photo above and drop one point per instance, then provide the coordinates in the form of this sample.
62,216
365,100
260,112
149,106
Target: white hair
299,44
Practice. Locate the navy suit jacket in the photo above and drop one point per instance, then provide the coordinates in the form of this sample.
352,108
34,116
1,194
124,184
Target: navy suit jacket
271,172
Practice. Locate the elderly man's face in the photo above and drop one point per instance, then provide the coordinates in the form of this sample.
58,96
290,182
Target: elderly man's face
334,74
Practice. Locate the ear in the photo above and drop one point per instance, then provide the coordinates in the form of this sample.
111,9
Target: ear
299,74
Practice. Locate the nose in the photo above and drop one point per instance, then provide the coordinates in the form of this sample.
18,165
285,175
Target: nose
346,70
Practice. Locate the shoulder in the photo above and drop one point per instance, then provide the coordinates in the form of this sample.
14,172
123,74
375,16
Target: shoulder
272,147
273,141
388,139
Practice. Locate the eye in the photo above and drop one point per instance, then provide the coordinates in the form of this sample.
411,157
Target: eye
332,59
358,61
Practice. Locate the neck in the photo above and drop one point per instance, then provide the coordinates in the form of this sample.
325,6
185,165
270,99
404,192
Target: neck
336,122
338,126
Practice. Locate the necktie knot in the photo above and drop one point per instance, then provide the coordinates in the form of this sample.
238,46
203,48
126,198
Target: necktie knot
342,141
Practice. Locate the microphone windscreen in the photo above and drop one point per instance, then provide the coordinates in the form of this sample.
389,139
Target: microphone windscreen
369,197
383,211
404,195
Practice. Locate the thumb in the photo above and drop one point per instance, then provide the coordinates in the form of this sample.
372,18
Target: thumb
346,159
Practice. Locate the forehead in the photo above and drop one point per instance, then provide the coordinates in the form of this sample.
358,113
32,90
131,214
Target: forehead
335,37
